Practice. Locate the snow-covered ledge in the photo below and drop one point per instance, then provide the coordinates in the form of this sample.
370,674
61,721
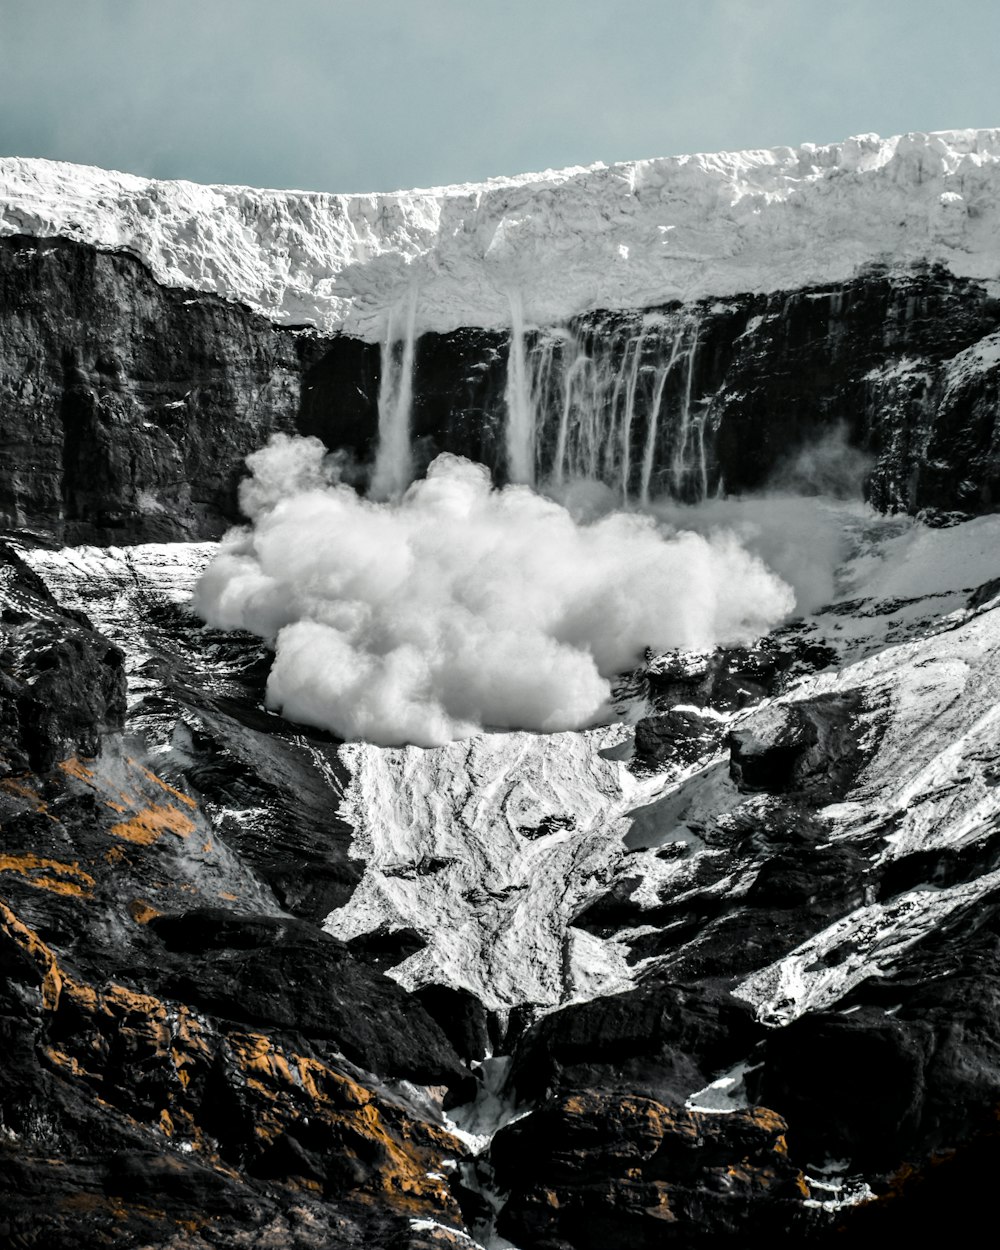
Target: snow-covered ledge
619,236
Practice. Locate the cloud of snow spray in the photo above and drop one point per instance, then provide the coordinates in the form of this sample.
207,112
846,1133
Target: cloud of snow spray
459,607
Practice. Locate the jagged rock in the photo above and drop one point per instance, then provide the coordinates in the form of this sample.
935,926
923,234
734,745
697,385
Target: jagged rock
806,874
910,1067
675,737
806,747
62,685
173,1068
166,1107
730,678
595,1171
661,1040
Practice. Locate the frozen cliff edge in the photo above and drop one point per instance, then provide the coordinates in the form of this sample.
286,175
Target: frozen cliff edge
629,235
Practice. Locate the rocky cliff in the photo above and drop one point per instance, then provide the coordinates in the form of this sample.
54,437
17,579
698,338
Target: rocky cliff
129,408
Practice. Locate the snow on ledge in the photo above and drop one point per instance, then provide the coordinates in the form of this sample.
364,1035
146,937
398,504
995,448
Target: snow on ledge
620,236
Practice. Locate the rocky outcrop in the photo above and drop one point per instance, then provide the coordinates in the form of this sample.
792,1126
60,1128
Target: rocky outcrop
594,1171
678,737
910,1063
62,685
806,747
662,1040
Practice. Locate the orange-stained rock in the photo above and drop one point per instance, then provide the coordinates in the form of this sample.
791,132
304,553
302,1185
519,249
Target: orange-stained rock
149,824
186,799
597,1170
141,911
49,874
20,936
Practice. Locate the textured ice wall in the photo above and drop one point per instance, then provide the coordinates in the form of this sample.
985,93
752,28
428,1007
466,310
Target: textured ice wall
620,236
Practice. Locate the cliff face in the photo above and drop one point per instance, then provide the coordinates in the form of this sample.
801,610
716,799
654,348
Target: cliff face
722,395
128,408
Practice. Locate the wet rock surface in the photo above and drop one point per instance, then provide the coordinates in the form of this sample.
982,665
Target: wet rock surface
62,685
130,407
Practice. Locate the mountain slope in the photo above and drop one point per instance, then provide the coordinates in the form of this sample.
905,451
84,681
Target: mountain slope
720,971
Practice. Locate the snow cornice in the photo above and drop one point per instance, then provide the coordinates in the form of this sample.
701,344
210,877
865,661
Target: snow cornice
628,235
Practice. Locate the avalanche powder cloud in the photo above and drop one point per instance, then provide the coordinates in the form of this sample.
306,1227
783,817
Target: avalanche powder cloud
461,607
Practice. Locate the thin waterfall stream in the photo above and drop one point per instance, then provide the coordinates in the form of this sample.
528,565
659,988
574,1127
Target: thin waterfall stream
393,470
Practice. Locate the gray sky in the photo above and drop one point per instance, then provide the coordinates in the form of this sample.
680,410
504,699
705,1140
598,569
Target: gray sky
385,94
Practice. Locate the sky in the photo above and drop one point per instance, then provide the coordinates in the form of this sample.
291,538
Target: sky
379,95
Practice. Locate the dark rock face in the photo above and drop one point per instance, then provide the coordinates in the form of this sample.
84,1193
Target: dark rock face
62,686
595,1171
128,407
810,747
675,737
286,974
910,1065
878,358
662,1040
730,678
902,1074
951,1193
462,1017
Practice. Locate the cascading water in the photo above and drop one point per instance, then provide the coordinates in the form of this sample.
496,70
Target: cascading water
681,464
610,400
521,423
393,470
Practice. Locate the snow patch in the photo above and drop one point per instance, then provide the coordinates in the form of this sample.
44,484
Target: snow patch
488,847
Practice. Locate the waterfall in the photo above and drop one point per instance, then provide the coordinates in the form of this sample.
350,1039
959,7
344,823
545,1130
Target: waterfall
520,401
609,398
649,456
680,465
393,470
628,417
